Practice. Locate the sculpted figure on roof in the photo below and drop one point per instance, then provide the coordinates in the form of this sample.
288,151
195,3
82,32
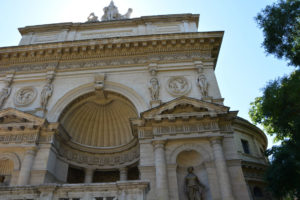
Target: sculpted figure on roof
111,12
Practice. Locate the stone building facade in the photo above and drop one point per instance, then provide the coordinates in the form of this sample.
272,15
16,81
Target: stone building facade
120,109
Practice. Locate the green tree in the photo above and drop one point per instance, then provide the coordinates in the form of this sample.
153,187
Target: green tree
278,110
280,23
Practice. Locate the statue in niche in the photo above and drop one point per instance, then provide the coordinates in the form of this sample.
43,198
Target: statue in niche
46,93
112,13
203,85
5,92
193,188
92,18
154,88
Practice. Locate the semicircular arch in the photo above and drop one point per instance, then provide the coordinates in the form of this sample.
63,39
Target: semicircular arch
13,157
189,147
130,94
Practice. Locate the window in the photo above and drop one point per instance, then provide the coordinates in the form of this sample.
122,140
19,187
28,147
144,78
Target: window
245,145
75,175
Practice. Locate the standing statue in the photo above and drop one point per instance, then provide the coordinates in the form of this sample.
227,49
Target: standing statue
46,93
5,92
192,186
154,88
203,85
111,12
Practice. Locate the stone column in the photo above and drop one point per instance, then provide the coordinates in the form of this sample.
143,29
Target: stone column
88,178
27,162
123,174
222,172
162,189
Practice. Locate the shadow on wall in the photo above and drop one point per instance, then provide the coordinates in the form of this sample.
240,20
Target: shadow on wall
187,159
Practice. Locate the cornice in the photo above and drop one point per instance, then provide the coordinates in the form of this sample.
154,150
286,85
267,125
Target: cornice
207,43
109,24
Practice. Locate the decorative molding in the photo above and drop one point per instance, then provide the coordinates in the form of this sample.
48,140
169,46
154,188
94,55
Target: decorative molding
25,96
29,138
14,57
101,160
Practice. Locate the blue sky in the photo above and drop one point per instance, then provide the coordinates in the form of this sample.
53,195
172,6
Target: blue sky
243,68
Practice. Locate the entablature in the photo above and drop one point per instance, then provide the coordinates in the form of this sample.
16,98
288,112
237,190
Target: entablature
21,57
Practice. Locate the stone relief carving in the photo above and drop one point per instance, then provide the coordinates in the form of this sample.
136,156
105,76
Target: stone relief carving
92,18
203,85
178,86
111,12
154,88
6,90
25,96
47,90
193,188
101,160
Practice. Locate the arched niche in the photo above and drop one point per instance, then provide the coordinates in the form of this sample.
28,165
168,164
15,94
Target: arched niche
13,157
138,101
190,157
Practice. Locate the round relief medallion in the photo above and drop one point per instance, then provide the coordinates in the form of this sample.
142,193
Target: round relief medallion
178,86
25,96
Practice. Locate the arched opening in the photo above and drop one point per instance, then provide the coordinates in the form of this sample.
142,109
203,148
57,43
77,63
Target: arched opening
6,170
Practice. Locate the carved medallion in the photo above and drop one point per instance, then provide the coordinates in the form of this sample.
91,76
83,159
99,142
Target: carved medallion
178,86
25,96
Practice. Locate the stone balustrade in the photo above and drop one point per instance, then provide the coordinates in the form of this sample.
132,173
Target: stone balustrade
121,190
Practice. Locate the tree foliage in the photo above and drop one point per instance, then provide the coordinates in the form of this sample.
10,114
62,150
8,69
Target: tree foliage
278,110
280,23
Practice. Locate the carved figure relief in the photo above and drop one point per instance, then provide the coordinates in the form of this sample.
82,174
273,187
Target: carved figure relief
6,90
203,85
47,91
193,188
178,86
154,88
25,96
112,13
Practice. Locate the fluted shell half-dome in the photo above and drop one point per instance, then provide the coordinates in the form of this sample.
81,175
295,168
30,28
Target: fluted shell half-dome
98,121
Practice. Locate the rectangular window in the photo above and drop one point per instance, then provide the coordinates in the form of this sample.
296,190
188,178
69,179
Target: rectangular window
245,144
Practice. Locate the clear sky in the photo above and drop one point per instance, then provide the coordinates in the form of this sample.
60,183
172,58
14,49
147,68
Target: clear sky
243,68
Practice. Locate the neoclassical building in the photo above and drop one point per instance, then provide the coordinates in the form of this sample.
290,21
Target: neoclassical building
120,108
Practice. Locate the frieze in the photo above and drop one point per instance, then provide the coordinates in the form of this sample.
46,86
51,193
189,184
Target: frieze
19,138
99,159
106,48
107,62
179,129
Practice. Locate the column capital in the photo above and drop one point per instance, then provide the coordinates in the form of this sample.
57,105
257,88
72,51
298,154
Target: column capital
159,143
31,150
216,140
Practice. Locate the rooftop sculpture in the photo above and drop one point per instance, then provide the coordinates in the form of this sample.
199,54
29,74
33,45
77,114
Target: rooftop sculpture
111,12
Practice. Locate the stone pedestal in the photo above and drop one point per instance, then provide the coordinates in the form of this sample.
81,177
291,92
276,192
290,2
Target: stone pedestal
24,174
155,103
162,188
222,172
